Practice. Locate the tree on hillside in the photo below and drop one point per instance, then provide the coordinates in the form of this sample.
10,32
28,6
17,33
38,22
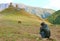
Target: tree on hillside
57,20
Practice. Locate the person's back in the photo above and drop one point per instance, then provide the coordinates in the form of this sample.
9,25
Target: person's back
44,31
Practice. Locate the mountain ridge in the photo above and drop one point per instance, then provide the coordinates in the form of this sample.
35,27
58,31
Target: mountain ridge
21,12
40,12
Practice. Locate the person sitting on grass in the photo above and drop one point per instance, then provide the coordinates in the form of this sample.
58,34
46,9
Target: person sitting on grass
45,31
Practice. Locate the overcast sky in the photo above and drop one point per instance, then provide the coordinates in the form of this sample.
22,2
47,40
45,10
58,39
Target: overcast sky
51,4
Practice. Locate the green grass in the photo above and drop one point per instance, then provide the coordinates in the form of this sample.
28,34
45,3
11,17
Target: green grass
11,30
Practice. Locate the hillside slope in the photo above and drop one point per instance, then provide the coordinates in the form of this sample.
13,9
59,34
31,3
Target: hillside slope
27,30
55,18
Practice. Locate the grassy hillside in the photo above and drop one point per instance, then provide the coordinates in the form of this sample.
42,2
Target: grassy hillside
55,18
27,30
11,30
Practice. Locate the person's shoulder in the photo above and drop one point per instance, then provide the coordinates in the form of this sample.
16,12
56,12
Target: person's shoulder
46,25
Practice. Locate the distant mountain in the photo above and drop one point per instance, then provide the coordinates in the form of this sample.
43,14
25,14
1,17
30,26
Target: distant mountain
54,18
40,12
3,6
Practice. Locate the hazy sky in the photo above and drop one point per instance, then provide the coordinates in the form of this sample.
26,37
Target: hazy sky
51,4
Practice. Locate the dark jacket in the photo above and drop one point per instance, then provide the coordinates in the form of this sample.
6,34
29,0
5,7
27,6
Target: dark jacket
45,31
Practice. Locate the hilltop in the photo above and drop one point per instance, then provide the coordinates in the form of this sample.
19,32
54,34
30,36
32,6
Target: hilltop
11,10
40,12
